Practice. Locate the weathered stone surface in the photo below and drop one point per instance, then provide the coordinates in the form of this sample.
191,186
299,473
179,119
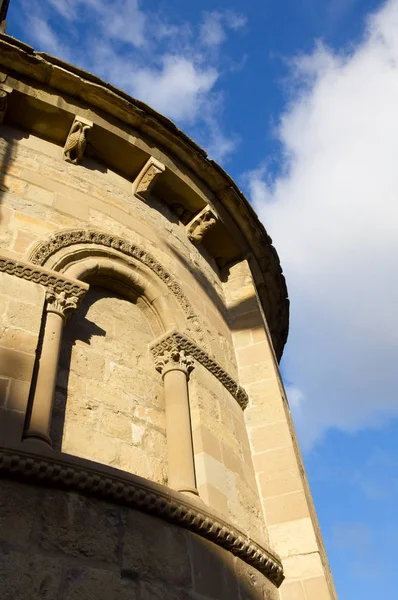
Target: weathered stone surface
79,526
18,504
29,577
252,584
99,584
155,550
213,570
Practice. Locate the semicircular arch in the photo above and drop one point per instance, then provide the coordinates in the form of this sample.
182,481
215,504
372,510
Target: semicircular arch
65,249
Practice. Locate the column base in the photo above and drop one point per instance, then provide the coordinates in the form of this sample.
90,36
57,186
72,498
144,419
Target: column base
37,437
189,491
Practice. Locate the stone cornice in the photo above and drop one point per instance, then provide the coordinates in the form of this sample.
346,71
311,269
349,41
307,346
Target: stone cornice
175,339
88,89
50,279
72,473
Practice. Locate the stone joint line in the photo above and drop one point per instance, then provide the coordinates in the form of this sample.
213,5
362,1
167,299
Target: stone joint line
175,339
133,492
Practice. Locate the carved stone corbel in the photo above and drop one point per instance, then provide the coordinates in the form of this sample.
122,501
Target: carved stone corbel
147,177
5,91
200,224
76,141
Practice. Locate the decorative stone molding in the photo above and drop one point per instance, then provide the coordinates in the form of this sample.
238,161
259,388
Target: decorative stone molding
50,279
177,342
200,224
172,359
72,473
147,177
76,142
63,303
5,92
63,239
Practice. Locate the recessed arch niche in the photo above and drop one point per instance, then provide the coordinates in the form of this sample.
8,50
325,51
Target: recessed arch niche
109,400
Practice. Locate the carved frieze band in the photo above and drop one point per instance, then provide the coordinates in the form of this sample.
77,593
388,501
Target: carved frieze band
63,239
82,475
56,284
177,340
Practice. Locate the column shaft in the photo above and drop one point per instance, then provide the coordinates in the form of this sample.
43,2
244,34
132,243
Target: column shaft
40,418
179,434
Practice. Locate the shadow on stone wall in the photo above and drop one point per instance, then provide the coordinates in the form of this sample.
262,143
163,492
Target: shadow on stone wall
7,153
58,545
201,279
77,328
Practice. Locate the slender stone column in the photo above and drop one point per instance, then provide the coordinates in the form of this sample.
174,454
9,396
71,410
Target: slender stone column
59,305
175,367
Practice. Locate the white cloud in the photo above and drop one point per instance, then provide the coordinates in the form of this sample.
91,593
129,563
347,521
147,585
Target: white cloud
333,215
215,25
168,66
179,88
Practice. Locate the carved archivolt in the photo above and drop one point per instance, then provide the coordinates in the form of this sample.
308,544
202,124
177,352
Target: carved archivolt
56,283
63,239
128,489
177,342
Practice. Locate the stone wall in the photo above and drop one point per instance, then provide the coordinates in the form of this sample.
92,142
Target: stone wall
21,307
109,403
60,545
109,397
286,501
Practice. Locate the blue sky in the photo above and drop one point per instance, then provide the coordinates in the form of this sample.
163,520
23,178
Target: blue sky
298,100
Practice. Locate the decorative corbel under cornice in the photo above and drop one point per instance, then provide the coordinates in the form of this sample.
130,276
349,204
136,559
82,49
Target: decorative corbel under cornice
200,224
76,141
147,177
56,283
174,339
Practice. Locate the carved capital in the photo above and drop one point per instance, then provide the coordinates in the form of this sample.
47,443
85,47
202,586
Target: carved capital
182,343
172,359
147,177
62,303
200,224
76,142
5,91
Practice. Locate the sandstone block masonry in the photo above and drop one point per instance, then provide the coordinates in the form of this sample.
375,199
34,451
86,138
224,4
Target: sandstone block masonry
146,444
